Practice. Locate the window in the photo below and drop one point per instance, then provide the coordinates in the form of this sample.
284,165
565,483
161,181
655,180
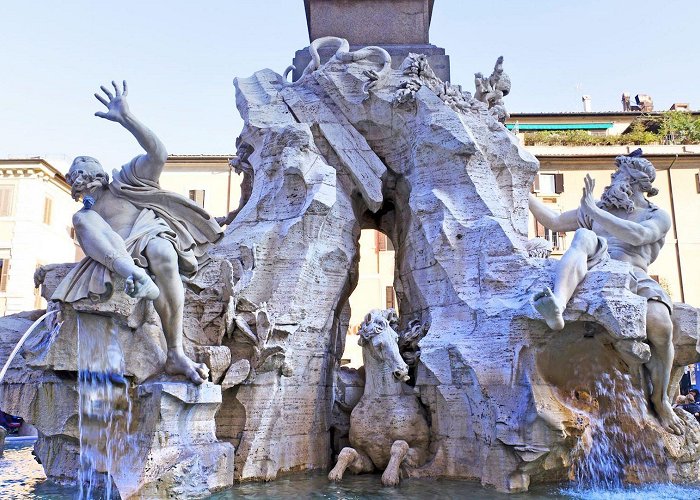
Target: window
549,184
384,243
4,271
7,198
197,195
390,300
48,203
557,239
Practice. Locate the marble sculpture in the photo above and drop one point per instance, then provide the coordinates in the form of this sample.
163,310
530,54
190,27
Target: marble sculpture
495,393
624,225
388,428
133,228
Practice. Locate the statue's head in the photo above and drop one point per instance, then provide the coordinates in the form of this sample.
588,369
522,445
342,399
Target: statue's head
381,342
85,175
633,174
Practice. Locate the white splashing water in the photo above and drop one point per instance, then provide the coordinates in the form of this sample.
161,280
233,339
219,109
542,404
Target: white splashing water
24,338
104,413
618,453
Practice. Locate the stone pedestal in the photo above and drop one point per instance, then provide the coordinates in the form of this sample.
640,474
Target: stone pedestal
398,26
177,454
438,60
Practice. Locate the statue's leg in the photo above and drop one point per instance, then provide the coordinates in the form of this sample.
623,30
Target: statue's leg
99,241
392,473
353,460
570,271
660,337
162,261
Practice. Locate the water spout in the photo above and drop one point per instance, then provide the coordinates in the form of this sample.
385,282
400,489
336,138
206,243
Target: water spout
22,341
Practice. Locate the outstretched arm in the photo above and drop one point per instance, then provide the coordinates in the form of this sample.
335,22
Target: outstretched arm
150,165
633,233
568,221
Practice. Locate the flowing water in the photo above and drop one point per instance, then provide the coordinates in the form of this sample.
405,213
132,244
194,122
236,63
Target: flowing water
618,454
104,410
23,339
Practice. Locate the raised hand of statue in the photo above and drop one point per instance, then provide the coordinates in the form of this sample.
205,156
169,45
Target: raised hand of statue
588,203
117,107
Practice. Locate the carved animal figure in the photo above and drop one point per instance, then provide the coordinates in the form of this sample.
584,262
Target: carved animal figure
388,427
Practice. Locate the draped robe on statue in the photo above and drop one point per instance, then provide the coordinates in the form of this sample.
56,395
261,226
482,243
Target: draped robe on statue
164,214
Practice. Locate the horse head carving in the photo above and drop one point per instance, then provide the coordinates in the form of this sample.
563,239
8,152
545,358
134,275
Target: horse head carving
380,342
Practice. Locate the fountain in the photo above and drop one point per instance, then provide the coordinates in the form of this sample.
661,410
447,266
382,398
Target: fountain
512,396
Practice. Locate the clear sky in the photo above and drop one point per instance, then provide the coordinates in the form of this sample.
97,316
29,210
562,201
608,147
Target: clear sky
180,57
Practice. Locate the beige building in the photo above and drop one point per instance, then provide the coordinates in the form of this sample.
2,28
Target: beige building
35,228
206,179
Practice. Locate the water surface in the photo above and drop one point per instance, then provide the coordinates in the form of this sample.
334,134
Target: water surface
21,477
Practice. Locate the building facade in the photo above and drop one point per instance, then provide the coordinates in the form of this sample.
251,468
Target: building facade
35,228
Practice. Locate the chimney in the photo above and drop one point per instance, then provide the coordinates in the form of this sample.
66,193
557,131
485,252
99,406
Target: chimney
680,106
644,102
586,103
626,103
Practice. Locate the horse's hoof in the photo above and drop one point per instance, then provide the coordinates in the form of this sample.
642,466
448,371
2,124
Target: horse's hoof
391,479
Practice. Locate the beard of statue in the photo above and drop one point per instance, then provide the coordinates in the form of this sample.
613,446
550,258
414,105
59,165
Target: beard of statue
617,195
86,182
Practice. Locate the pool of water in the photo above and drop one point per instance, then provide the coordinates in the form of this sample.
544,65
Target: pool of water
21,477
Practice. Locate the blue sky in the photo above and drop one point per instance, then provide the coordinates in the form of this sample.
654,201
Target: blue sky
180,58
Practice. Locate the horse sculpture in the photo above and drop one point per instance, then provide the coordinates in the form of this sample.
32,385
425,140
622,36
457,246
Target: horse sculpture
388,427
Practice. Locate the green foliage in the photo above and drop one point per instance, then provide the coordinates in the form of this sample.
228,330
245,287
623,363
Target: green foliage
637,136
679,127
671,127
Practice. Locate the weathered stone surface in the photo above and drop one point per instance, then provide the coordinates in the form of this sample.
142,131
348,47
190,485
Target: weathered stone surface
172,423
236,374
217,359
454,202
177,454
354,145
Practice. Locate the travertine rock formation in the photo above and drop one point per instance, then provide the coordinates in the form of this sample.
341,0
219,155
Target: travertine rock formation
351,146
354,144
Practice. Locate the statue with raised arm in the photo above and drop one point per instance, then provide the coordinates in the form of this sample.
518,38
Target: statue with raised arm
624,226
132,228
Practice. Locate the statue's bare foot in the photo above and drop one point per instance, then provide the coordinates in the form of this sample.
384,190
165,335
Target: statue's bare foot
140,285
669,420
177,363
548,306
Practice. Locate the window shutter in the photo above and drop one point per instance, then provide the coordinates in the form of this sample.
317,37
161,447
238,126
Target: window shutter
539,230
47,210
6,200
697,182
558,183
197,195
4,271
381,242
389,297
536,184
